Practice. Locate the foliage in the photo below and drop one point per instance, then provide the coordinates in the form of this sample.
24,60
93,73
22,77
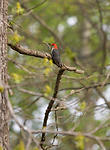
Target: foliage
0,148
20,146
18,9
82,34
1,89
15,38
80,142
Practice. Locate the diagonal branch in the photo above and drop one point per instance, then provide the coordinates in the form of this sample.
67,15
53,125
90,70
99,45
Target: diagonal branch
34,7
36,53
48,110
22,126
45,25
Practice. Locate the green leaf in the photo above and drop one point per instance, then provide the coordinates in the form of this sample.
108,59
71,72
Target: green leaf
20,146
15,38
47,90
80,142
1,89
1,148
18,9
17,78
82,105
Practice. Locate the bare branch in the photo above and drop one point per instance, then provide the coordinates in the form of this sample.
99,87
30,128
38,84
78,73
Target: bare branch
29,52
30,92
48,110
22,126
78,89
101,126
69,133
36,53
21,66
28,143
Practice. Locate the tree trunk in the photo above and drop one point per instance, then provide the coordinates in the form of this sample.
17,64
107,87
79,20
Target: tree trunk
4,112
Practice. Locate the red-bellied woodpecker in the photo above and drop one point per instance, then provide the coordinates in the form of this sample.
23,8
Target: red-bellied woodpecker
55,55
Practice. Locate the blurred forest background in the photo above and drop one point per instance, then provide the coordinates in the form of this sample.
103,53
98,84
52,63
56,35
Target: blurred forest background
81,112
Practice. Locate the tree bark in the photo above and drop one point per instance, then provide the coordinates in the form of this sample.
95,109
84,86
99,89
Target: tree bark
4,112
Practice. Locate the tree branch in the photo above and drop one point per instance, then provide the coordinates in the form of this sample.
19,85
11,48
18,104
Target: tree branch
20,49
48,110
69,133
76,89
22,126
36,53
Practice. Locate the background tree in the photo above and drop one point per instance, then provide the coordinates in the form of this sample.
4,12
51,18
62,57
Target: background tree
77,95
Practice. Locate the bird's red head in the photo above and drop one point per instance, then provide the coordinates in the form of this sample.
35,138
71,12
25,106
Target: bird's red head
54,46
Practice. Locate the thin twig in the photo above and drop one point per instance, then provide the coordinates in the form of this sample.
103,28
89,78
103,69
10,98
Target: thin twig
76,89
30,10
56,123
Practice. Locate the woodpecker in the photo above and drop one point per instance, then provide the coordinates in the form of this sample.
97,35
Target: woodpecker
55,55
